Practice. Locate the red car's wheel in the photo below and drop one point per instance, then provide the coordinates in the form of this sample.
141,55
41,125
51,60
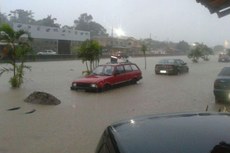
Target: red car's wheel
106,87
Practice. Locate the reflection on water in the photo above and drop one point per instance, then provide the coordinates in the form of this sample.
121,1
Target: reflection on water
77,123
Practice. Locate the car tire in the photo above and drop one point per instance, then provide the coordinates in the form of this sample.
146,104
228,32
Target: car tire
217,100
187,70
134,81
106,87
176,72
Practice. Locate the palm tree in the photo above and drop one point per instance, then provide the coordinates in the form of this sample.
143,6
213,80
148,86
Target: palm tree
17,47
143,49
89,51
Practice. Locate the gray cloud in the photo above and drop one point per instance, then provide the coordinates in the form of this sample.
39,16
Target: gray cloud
171,20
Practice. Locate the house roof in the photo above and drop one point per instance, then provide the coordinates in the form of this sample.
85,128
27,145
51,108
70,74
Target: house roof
220,7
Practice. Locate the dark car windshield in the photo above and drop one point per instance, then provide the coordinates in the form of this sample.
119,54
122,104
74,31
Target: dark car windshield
225,72
103,70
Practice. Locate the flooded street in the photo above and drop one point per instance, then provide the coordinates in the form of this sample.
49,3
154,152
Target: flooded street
76,124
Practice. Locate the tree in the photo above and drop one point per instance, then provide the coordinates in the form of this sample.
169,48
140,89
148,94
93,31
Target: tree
206,51
228,52
67,27
48,21
89,51
218,48
16,49
3,18
195,54
21,16
143,49
199,50
85,22
183,46
96,29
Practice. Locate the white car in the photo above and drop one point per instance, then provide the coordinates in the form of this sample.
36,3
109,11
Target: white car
47,52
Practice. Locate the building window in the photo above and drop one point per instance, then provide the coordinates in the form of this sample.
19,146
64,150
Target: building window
19,25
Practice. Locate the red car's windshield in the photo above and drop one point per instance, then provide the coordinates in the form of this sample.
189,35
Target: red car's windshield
103,70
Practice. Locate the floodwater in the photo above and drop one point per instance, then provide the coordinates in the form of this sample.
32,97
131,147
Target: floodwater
76,124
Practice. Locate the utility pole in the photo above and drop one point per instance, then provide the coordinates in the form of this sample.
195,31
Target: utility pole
112,39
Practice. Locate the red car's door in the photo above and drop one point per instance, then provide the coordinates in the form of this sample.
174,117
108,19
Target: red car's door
120,75
130,74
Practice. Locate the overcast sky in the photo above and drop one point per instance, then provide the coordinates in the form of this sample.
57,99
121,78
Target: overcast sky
164,20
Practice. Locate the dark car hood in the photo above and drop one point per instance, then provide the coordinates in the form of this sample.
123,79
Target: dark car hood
184,133
92,79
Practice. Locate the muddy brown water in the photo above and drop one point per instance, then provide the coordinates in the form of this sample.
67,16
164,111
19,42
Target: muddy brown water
76,124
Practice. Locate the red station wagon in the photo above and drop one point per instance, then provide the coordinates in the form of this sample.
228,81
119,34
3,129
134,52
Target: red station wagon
106,76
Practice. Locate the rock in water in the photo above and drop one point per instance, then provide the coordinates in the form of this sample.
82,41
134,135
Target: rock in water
43,98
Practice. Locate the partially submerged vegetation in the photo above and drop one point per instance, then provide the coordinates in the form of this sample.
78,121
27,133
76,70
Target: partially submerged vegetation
16,49
89,51
199,50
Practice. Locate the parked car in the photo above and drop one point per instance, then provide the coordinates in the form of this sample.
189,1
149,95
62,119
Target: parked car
171,66
174,133
47,52
223,57
222,85
107,76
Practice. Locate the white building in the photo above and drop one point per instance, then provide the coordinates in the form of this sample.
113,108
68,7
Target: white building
60,39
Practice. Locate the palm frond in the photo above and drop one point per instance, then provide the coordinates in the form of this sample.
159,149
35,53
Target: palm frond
7,31
3,70
20,33
27,67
